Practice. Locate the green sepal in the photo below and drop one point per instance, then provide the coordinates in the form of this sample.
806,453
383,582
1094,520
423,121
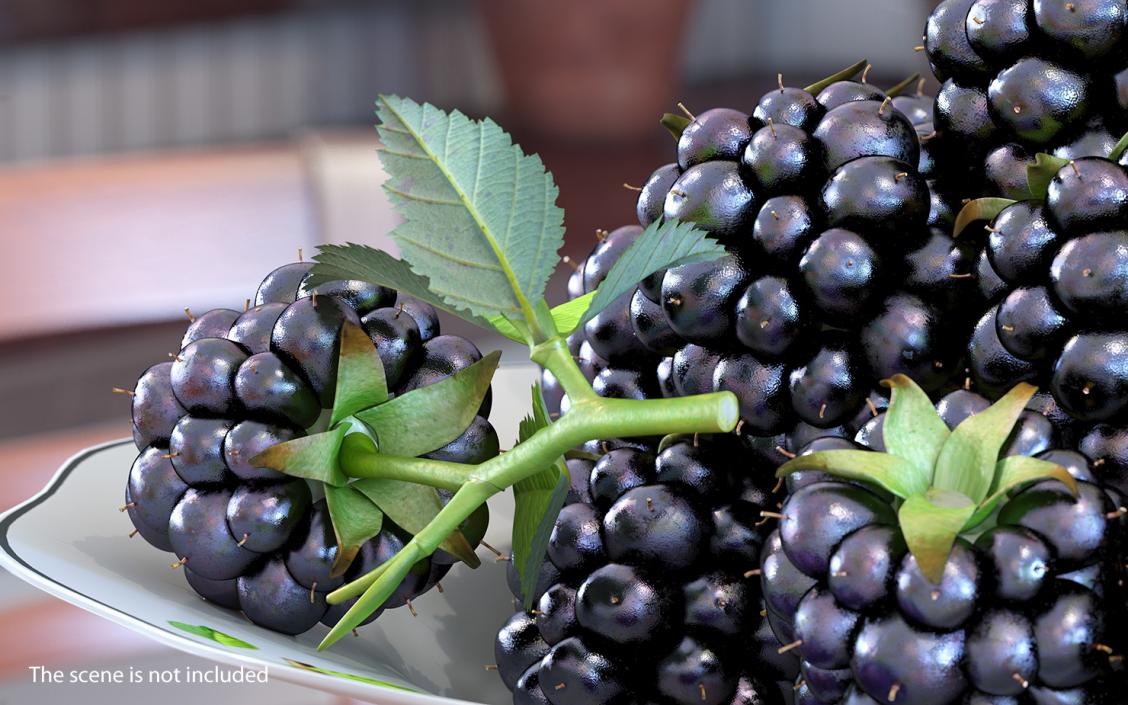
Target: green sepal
896,475
314,457
360,374
913,429
675,124
844,75
663,244
429,417
1119,149
411,507
1013,472
670,439
967,461
538,498
1041,173
931,523
980,209
898,89
355,520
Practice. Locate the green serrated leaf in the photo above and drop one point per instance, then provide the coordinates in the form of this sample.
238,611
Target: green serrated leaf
980,209
844,75
482,222
364,263
360,374
212,634
567,316
355,520
967,460
931,523
412,507
913,429
1011,473
896,475
313,457
429,417
1118,150
663,244
538,501
898,89
675,124
1041,173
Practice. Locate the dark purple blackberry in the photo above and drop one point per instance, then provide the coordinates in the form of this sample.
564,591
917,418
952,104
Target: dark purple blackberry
249,537
1017,610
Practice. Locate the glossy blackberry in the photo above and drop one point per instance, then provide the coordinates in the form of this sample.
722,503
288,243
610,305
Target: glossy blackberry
248,537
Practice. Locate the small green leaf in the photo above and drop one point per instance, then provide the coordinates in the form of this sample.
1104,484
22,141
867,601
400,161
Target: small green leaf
567,316
898,89
896,475
675,124
360,375
429,417
212,634
538,501
1119,149
355,520
844,75
1011,473
931,523
364,263
481,220
967,460
913,429
664,244
1041,173
980,209
516,331
312,457
412,507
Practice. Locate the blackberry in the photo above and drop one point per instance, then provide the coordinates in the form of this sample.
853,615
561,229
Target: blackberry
1017,613
1023,77
667,606
248,537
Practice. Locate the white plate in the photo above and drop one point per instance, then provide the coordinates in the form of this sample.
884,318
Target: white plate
71,541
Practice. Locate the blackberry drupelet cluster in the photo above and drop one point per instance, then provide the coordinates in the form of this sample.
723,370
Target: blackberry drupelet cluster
1026,76
841,269
1029,612
1058,292
646,595
250,538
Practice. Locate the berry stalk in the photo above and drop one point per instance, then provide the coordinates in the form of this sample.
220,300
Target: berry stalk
591,417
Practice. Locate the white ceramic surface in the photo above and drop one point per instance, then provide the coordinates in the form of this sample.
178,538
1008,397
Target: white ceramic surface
71,541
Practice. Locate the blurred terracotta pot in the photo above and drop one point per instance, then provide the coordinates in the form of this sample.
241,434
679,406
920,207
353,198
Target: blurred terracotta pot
588,68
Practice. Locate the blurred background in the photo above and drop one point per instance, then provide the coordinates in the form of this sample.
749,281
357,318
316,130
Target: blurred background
157,155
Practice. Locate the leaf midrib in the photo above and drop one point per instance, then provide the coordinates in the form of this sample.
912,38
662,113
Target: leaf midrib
441,166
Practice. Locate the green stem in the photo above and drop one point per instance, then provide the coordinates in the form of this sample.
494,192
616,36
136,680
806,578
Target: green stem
591,418
555,356
423,471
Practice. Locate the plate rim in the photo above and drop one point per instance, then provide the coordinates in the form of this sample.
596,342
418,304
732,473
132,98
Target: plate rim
15,564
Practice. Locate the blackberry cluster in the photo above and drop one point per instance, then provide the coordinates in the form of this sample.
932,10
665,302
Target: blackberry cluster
646,596
1030,612
1058,285
250,538
1026,76
834,278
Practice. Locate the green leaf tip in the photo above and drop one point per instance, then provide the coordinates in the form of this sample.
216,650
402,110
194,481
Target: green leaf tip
1119,149
844,75
675,124
360,374
314,457
661,245
1041,173
967,461
900,88
913,429
980,209
481,220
